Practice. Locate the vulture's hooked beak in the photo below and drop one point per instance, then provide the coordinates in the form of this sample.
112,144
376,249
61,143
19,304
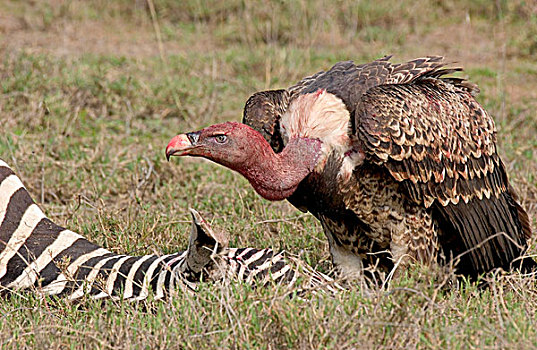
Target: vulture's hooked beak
182,145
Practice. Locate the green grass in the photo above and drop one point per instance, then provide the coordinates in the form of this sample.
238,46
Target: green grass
88,105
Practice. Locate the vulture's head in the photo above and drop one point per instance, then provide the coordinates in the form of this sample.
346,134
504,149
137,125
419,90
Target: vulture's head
274,176
230,144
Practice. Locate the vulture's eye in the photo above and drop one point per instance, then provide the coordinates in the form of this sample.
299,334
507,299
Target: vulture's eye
221,138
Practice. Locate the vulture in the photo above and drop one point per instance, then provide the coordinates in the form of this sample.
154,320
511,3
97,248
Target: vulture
398,162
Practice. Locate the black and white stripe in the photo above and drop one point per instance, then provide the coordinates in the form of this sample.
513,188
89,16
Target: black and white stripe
35,253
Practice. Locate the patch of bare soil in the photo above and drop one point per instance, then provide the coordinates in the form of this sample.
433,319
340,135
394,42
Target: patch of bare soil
477,46
463,43
76,38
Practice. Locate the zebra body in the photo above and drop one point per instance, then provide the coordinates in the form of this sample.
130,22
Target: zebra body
36,253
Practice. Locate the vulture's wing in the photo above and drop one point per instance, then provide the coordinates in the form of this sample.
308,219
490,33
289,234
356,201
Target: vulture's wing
262,113
346,80
432,136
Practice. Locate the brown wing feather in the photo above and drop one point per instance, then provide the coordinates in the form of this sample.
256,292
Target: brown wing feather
262,113
345,79
435,138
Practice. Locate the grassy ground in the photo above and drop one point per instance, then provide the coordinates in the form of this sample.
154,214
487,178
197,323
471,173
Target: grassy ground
89,100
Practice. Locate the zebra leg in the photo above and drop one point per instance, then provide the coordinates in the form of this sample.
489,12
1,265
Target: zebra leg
203,245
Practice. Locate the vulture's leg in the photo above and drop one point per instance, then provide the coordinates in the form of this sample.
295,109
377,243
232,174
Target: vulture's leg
348,265
414,239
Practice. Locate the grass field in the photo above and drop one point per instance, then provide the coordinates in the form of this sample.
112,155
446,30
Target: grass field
91,92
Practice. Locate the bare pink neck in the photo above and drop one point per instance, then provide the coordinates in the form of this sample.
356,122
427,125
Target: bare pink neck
275,176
